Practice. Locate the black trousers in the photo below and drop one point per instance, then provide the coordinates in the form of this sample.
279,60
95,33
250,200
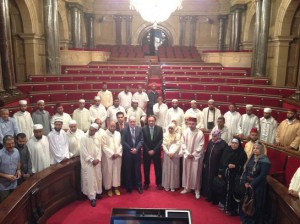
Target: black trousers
133,170
157,167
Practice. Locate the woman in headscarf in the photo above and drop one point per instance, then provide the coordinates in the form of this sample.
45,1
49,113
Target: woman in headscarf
231,167
254,177
211,162
171,147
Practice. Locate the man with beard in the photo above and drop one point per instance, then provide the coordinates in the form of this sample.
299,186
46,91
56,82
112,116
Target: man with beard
26,167
105,96
38,146
222,128
59,146
142,98
82,116
65,117
24,120
210,115
247,122
268,126
175,112
113,110
90,158
288,132
232,118
160,111
74,136
195,112
41,116
152,95
97,110
125,98
254,135
136,112
111,159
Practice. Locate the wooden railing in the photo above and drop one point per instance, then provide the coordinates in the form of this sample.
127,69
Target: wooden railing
46,192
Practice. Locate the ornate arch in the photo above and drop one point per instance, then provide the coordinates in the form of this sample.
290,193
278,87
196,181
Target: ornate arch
62,13
146,29
285,17
250,16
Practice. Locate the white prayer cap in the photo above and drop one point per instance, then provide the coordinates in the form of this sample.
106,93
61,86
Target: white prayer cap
268,110
97,98
171,125
186,116
72,122
174,101
23,102
40,101
81,101
135,101
249,106
95,126
37,127
193,101
211,101
58,119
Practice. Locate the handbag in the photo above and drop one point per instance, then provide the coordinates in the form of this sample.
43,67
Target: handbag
248,206
219,185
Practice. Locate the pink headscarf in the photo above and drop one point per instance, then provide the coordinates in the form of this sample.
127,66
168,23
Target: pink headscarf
216,133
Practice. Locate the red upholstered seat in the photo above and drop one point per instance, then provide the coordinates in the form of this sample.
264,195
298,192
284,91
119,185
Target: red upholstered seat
74,96
278,160
40,87
292,165
54,97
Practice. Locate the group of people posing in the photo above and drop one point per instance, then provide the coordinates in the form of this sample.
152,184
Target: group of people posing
113,136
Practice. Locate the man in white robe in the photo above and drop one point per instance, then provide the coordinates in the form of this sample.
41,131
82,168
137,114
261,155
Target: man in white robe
90,158
195,112
62,115
74,135
268,127
222,128
24,120
97,110
175,112
210,115
113,110
105,96
247,122
125,98
232,118
38,147
142,98
112,159
100,131
160,111
193,154
82,116
58,141
41,116
137,112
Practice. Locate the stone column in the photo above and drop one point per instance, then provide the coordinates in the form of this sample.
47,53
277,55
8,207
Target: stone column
75,25
222,34
232,18
263,39
128,28
182,29
237,26
51,37
2,91
90,29
6,50
256,38
193,27
118,23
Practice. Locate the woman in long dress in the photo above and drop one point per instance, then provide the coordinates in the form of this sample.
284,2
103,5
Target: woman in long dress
231,168
171,147
255,178
211,162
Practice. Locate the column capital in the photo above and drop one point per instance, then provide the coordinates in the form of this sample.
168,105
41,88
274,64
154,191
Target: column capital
118,18
89,15
183,19
222,17
73,5
193,19
238,7
128,18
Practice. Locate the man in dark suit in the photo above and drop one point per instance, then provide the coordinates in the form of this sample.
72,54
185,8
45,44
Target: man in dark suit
153,138
120,125
121,121
152,95
132,142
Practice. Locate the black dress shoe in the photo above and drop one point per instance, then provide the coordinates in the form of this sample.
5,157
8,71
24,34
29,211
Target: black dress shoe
159,187
93,203
140,190
98,196
146,186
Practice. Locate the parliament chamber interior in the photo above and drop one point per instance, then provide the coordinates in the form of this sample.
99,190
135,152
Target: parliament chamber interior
239,52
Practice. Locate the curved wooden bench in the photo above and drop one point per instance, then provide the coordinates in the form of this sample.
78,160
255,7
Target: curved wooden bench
46,192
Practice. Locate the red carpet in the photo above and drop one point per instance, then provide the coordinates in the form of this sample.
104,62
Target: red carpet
81,212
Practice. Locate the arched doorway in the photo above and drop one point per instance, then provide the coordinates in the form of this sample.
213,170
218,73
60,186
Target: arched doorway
155,38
